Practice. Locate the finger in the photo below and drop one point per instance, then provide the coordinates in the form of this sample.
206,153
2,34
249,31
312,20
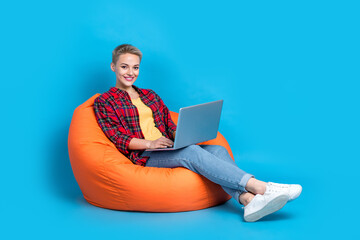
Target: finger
166,140
169,141
165,144
159,145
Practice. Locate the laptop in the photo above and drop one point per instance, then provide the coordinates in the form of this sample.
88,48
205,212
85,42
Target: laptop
196,124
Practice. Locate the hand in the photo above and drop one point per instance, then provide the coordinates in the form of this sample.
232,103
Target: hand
162,142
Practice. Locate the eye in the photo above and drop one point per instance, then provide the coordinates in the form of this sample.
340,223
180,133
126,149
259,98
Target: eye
136,68
123,67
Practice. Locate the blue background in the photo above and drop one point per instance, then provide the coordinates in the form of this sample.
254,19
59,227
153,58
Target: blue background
288,72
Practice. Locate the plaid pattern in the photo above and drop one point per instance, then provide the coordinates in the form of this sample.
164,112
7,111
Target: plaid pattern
119,119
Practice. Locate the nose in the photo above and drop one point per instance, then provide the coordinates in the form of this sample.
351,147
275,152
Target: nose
130,71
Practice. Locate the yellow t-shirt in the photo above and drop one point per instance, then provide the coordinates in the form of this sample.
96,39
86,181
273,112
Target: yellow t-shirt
147,125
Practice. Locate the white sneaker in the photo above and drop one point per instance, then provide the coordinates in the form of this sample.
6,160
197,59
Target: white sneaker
262,205
291,190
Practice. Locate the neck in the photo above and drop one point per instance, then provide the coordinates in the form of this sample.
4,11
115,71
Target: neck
127,89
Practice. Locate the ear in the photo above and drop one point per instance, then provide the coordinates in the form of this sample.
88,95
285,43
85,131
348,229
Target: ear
112,66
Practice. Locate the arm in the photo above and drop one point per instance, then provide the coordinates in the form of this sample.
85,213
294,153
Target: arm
114,129
142,144
139,144
112,126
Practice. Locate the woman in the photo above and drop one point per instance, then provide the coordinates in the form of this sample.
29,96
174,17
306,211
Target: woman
136,119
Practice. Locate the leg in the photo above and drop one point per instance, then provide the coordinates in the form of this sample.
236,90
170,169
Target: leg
219,151
222,153
254,186
276,193
259,203
204,163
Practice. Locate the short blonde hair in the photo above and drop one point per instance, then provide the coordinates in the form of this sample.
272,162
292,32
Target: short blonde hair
125,48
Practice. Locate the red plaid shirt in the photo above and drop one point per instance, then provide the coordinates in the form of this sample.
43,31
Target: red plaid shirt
119,119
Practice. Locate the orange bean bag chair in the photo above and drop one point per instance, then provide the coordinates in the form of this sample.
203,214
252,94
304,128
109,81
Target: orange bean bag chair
108,179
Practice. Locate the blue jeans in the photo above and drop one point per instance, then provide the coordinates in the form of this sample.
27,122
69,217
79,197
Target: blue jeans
211,161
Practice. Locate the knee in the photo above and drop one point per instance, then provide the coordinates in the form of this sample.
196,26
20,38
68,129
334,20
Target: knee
222,149
216,149
188,151
192,148
193,153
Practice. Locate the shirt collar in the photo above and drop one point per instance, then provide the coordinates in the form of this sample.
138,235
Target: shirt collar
124,94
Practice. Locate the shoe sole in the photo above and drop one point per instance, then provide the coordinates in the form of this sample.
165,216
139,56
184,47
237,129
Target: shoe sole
273,206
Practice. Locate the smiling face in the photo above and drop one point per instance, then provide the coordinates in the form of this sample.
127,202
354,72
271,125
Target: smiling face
126,70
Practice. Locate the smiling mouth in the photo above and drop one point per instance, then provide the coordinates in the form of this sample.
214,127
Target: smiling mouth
129,78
